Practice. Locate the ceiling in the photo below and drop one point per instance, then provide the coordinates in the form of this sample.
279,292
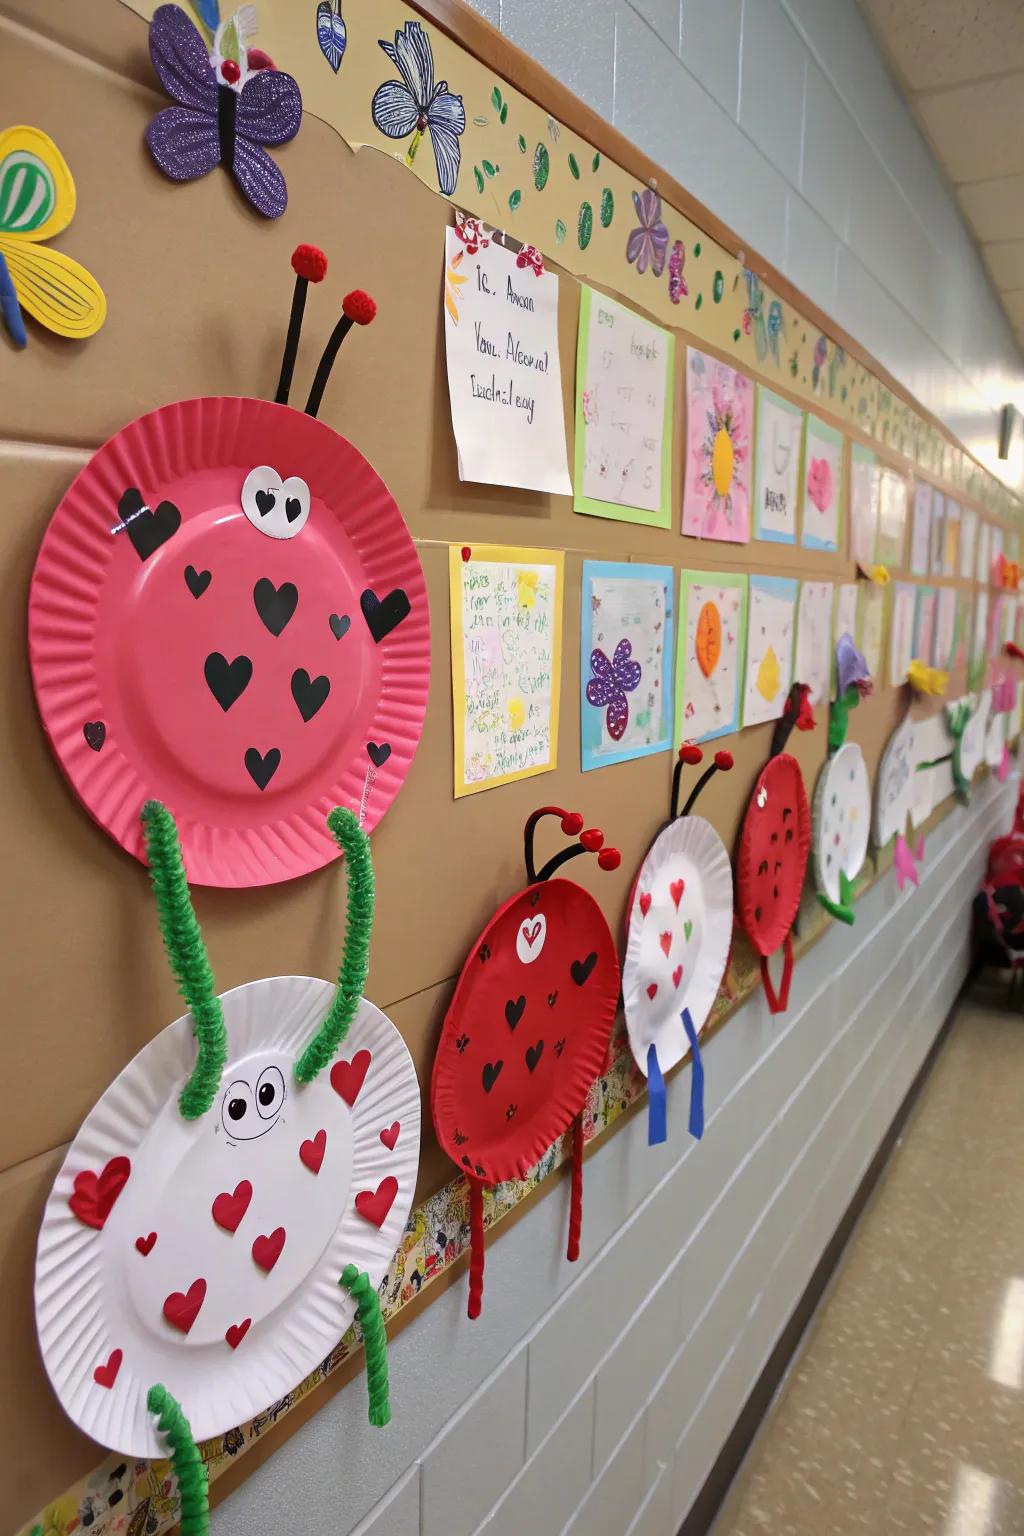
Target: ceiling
960,64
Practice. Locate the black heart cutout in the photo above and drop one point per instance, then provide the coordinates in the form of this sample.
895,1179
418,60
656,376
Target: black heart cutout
147,529
339,623
581,969
467,1160
491,1072
383,614
534,1054
378,753
309,693
292,508
262,766
266,501
275,605
95,733
227,680
197,581
514,1011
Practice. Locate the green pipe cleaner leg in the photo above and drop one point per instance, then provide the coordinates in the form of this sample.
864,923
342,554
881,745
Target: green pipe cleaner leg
186,952
193,1484
355,962
375,1342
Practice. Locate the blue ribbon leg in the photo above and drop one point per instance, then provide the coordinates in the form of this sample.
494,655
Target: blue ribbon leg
696,1079
657,1118
10,309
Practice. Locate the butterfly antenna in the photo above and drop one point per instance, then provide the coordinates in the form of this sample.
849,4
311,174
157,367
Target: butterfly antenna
591,841
572,823
357,309
722,763
310,266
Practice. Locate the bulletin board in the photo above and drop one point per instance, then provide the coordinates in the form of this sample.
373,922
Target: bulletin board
197,290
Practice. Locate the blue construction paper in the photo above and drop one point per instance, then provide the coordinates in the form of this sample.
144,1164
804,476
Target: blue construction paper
597,749
696,1079
657,1115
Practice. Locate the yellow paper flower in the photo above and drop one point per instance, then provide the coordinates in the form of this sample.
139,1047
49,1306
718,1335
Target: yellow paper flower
879,574
925,679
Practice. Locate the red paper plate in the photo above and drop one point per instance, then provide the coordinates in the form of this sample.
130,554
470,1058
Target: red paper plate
252,649
774,845
527,1031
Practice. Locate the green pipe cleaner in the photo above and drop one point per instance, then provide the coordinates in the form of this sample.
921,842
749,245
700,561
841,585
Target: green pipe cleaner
355,962
375,1342
193,1483
839,717
186,952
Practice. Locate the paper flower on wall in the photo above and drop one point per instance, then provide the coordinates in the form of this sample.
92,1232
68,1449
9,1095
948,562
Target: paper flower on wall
927,680
722,452
231,103
611,681
647,245
820,485
415,105
37,201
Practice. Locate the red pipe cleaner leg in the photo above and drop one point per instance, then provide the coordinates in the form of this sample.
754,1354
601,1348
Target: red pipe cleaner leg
572,1251
476,1247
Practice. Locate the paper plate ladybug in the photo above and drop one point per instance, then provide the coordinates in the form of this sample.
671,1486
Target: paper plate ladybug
678,938
842,822
233,1199
772,860
527,1033
228,614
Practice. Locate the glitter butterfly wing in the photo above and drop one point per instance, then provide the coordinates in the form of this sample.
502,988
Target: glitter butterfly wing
269,112
183,140
37,201
610,683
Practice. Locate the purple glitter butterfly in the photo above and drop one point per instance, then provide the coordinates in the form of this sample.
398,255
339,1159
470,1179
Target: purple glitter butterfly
611,681
219,122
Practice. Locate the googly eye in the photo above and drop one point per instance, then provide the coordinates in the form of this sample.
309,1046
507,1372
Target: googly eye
279,508
236,1109
269,1092
762,796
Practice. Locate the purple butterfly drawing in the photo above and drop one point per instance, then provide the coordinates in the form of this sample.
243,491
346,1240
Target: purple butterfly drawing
227,109
611,681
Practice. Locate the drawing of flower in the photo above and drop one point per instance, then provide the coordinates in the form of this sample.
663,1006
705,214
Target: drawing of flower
723,450
453,281
472,232
677,288
647,246
415,105
609,684
819,483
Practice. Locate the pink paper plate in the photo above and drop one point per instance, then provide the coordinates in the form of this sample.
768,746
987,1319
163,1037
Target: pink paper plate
252,649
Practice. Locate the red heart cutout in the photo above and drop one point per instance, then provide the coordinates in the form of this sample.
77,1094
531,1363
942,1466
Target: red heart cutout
390,1136
347,1077
237,1332
652,990
677,975
312,1152
665,940
676,890
93,1198
645,903
228,1210
145,1244
375,1204
181,1310
106,1375
267,1250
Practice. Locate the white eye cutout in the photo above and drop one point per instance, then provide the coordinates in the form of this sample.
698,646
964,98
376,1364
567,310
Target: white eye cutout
270,1093
279,508
762,796
530,937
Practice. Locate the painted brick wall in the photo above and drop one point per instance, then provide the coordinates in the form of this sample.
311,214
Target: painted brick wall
593,1398
782,118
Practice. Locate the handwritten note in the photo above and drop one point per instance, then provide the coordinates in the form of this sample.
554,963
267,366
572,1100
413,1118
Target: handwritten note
777,467
968,534
946,628
709,671
506,622
864,495
504,380
924,624
892,518
822,485
901,632
770,628
623,414
625,661
870,636
951,547
813,648
920,537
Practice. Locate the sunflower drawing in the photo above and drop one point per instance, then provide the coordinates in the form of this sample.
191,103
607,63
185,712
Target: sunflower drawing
722,455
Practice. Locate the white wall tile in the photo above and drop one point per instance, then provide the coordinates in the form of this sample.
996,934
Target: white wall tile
629,1372
481,1451
711,36
811,250
828,131
490,10
772,67
575,43
616,1494
555,1479
663,16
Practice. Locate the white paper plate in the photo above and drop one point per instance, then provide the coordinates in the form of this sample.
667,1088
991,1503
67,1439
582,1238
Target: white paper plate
972,742
97,1291
931,741
842,819
678,947
894,785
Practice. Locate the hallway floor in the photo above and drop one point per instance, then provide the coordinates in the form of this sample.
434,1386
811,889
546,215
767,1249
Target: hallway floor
904,1410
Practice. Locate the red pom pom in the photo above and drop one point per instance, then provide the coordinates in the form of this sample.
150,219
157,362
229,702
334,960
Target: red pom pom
723,760
231,72
592,839
609,858
359,307
689,753
309,261
258,58
572,822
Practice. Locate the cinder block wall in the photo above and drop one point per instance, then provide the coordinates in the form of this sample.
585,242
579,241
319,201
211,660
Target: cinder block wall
593,1398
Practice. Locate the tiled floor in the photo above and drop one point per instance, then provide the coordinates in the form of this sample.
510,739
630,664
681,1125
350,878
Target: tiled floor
904,1411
